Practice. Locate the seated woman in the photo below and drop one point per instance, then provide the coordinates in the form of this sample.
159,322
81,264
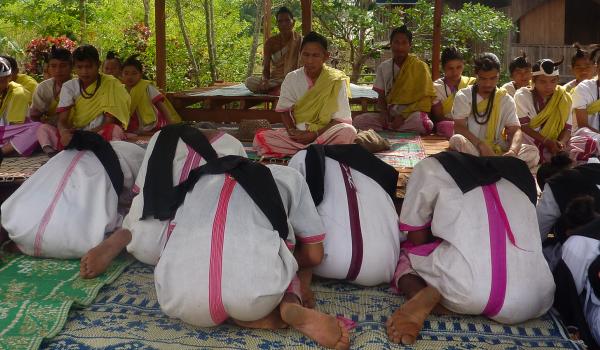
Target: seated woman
354,192
172,153
69,204
150,110
112,65
281,53
577,275
520,74
405,90
472,241
46,98
586,104
313,104
561,182
17,132
544,112
581,66
453,65
92,101
485,121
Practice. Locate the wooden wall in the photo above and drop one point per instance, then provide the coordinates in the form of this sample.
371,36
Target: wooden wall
544,24
582,20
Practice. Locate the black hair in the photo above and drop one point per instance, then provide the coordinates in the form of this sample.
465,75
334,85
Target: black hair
134,62
580,211
558,163
401,30
519,62
283,10
111,55
579,54
14,66
86,53
314,37
61,54
486,62
451,53
595,54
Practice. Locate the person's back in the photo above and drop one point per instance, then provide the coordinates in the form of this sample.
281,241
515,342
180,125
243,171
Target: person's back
489,245
359,217
51,214
150,234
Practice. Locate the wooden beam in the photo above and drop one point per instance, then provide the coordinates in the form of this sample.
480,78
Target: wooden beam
161,45
437,40
306,16
266,20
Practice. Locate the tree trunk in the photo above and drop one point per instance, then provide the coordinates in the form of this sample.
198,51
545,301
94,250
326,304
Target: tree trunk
210,39
146,13
188,46
255,37
82,20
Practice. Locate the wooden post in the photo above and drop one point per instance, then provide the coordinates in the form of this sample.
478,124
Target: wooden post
437,40
266,20
161,49
306,16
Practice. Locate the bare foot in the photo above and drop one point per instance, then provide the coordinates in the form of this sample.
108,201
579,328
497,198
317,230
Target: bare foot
98,259
322,328
271,321
405,323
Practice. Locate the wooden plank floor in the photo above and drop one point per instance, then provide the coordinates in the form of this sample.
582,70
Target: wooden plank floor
433,144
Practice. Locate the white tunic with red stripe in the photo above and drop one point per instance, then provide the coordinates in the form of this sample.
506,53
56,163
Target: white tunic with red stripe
69,204
489,260
149,235
363,238
224,259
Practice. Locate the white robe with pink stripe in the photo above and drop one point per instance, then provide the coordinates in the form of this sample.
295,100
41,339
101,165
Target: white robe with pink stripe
366,254
224,259
489,260
149,235
69,204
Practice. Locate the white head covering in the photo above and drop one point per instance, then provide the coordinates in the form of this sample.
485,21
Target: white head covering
5,69
545,67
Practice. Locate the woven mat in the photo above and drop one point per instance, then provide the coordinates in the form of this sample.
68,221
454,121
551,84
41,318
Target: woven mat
37,294
15,169
406,149
126,315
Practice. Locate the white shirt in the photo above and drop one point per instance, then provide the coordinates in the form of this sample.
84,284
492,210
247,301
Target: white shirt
69,92
462,110
296,84
585,94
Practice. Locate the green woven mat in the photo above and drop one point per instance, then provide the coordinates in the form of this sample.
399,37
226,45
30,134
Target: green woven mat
36,296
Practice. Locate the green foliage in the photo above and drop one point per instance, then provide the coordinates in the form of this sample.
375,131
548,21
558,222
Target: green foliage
357,28
472,29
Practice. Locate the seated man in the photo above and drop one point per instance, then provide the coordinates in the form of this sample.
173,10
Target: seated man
520,74
544,112
483,114
472,241
405,90
446,88
22,79
17,132
92,101
76,198
586,104
581,66
46,97
354,192
280,56
313,104
171,154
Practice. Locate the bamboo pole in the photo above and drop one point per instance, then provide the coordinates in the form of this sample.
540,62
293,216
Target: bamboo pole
437,40
161,49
